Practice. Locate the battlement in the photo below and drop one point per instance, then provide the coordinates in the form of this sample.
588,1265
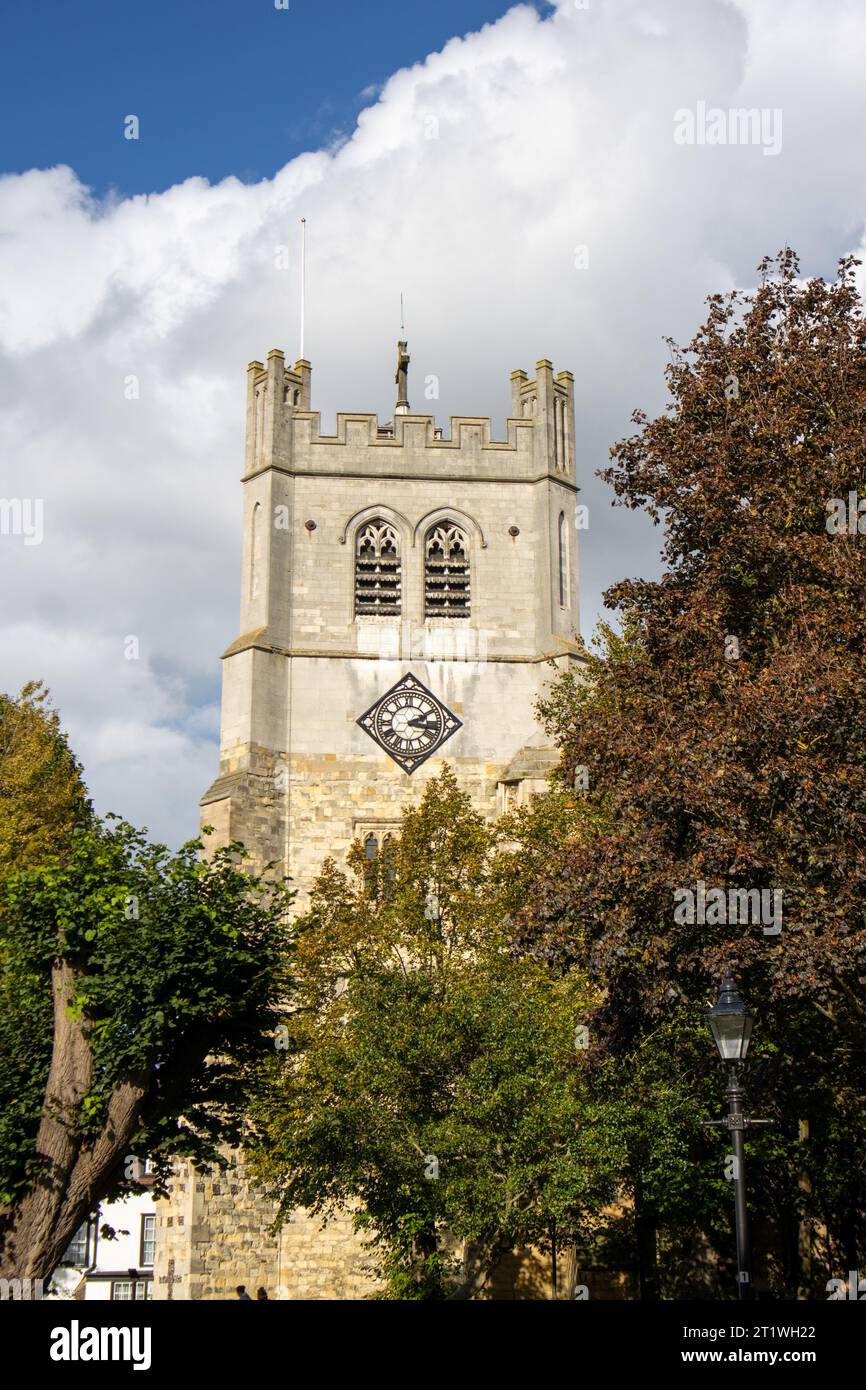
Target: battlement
411,432
284,432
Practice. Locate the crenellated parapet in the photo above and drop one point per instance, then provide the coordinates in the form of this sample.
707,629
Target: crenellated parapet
284,432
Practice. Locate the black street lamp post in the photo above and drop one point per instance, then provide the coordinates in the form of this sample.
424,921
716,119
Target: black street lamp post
731,1026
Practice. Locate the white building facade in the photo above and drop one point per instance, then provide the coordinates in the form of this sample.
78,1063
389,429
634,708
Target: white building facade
111,1257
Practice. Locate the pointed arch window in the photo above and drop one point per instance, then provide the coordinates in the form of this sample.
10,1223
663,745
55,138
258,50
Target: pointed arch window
379,866
389,847
563,561
563,433
446,572
377,570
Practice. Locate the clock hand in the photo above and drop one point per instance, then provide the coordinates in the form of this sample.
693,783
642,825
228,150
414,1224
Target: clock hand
423,723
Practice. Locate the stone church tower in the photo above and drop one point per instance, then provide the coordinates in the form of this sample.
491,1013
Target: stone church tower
403,595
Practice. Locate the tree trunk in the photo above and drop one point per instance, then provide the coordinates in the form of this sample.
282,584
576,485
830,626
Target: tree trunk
804,1232
646,1228
480,1260
69,1176
569,1267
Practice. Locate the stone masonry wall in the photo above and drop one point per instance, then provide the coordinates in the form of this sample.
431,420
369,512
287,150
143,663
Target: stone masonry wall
215,1232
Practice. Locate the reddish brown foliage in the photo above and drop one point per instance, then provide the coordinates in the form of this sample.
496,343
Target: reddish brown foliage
745,773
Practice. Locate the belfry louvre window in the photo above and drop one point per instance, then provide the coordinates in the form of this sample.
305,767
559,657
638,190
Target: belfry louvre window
377,570
446,572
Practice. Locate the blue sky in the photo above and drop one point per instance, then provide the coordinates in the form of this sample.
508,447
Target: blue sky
220,86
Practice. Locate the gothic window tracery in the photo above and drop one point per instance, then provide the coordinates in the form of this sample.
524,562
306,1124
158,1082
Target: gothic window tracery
377,570
446,572
380,848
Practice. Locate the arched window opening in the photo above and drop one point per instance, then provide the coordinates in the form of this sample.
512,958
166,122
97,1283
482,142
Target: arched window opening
377,570
261,396
446,572
563,561
389,847
379,867
563,433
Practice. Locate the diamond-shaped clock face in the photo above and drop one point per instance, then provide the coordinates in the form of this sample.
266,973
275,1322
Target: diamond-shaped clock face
409,723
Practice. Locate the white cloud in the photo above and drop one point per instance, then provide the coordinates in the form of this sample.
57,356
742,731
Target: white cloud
467,185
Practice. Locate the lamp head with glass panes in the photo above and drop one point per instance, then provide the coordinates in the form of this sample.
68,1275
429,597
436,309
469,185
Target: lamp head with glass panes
730,1023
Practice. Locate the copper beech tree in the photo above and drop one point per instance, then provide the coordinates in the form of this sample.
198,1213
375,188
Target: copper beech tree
720,735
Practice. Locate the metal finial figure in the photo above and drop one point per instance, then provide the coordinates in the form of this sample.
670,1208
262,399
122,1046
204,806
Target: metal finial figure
402,377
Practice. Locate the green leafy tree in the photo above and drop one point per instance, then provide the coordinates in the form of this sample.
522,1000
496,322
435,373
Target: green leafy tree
724,741
137,988
42,795
430,1079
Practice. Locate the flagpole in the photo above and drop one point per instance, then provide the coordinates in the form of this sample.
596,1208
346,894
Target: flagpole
303,279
